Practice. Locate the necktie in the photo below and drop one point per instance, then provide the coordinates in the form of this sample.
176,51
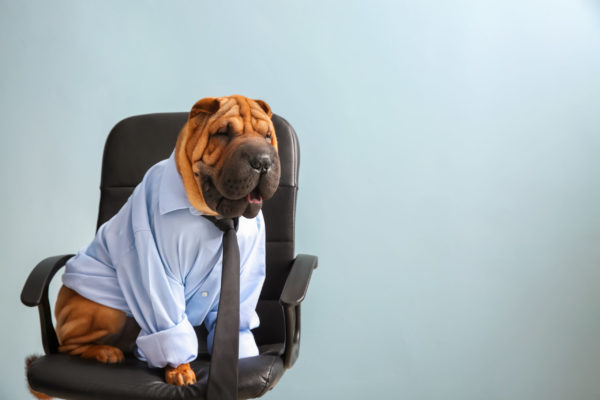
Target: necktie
223,372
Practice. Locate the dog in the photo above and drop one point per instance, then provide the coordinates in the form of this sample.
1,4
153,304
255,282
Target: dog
225,164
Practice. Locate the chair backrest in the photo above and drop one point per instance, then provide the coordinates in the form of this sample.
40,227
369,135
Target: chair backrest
138,142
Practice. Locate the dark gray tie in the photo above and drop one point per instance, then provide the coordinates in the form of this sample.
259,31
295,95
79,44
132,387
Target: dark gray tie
223,375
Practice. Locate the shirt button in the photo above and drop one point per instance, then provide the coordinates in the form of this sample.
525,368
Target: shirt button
204,294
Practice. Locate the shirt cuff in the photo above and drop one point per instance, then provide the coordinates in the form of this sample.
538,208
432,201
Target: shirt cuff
174,346
248,346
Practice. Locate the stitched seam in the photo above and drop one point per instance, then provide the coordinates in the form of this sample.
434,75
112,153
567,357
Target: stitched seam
264,389
295,157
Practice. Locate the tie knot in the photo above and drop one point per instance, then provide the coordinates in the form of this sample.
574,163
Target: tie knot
224,224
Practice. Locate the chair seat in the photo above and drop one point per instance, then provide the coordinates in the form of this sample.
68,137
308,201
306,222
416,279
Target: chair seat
62,375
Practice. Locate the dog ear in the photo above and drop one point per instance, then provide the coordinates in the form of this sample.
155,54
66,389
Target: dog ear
265,107
207,105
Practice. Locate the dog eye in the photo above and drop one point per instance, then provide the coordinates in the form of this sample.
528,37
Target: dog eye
222,134
268,137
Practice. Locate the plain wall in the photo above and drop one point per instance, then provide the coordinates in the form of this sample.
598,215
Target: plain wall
450,177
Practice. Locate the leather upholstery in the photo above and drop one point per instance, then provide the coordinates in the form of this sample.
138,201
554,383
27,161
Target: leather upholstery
134,145
71,377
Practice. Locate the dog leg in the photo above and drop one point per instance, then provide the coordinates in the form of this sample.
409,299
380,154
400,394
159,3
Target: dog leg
104,353
180,376
81,324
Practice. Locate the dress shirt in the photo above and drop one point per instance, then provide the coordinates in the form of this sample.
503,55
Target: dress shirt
159,261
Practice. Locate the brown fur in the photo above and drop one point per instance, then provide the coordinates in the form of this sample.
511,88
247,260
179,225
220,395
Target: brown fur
250,118
82,323
84,327
181,375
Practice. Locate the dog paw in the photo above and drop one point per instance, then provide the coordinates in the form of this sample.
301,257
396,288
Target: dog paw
180,376
103,353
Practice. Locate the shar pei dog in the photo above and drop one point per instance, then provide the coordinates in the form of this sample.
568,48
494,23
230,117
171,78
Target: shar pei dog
156,262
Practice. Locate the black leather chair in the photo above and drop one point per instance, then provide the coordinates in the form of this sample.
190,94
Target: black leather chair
134,145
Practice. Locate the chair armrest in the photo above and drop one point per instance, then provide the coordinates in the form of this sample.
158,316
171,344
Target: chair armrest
35,293
297,281
39,279
292,295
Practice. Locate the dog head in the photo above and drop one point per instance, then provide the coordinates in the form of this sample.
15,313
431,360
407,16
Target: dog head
226,154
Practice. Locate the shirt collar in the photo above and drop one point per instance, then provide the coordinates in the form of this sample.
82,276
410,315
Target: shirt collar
172,195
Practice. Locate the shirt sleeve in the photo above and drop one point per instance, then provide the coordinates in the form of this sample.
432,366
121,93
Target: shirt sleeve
252,277
90,273
156,299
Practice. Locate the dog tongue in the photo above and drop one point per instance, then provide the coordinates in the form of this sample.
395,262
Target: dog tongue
254,198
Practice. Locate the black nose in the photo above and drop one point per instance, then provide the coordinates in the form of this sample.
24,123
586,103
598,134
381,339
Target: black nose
261,163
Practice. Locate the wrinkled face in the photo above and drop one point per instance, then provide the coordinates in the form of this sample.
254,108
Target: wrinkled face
239,166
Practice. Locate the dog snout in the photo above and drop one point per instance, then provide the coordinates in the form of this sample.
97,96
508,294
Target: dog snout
261,163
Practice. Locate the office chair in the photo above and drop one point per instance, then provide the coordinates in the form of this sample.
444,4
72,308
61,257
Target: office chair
133,146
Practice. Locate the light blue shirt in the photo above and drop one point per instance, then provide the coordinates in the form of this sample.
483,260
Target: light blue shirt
159,261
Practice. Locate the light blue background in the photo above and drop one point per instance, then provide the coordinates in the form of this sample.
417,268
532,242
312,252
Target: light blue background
450,179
